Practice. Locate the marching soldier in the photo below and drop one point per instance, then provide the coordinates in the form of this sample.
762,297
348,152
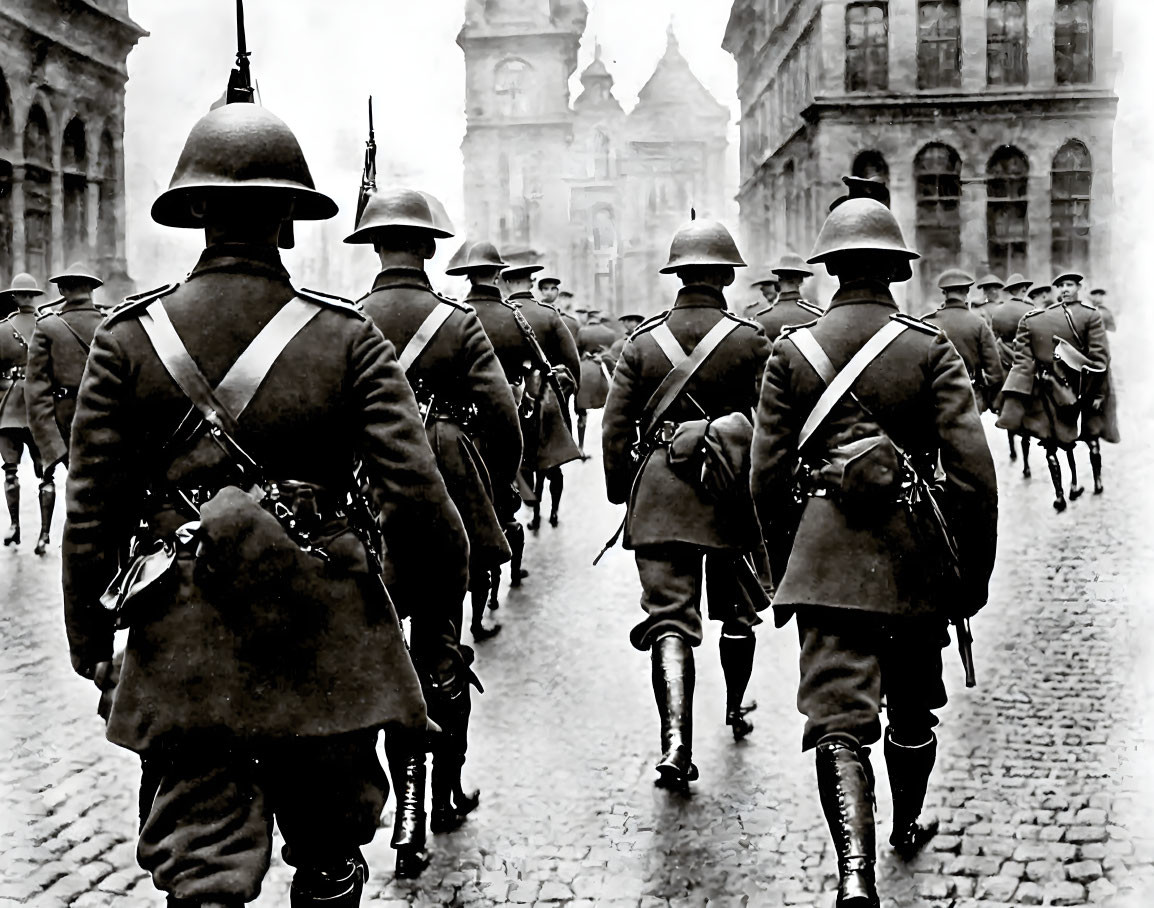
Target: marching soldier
549,441
56,359
687,381
629,324
789,308
467,405
766,285
1098,301
877,623
1040,296
1004,323
991,289
266,658
550,290
970,334
594,343
1059,390
15,337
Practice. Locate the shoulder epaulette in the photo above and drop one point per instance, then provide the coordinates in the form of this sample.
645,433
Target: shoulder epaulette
139,301
811,307
740,319
1033,312
456,304
1087,305
652,322
787,330
546,305
911,321
510,304
332,301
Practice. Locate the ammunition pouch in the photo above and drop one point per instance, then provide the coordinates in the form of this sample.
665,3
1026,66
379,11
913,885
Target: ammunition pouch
861,471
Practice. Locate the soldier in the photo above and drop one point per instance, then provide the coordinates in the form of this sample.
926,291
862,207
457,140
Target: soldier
467,405
629,324
594,343
261,668
552,441
766,285
1059,390
481,263
1098,300
991,288
877,623
970,334
1040,296
1004,323
686,380
56,358
15,336
790,308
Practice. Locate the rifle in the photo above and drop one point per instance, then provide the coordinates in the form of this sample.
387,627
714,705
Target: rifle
369,176
542,363
240,88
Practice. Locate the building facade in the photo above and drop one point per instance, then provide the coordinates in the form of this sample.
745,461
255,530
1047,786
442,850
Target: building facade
991,121
598,191
62,78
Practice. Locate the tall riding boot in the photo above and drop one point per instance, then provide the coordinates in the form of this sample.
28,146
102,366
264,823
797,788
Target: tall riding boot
556,489
673,678
1013,449
582,421
479,601
338,885
1025,456
538,491
47,506
1075,489
451,804
909,771
515,533
1096,465
12,496
843,783
737,666
407,767
1056,478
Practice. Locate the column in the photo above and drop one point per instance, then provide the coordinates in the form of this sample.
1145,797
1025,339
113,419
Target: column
973,44
93,226
56,260
1040,51
19,260
975,252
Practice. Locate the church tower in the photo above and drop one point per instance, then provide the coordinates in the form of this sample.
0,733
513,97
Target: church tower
519,55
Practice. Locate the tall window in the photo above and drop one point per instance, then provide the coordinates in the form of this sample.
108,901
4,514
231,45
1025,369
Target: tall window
37,194
938,189
106,214
1070,181
1007,215
511,83
1006,42
939,44
74,164
601,156
867,47
1073,42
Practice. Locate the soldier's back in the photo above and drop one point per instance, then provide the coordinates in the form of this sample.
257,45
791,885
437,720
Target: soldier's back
1005,318
963,327
785,314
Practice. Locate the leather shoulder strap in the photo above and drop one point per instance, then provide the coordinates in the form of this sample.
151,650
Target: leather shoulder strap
843,381
669,345
1074,329
83,343
425,334
808,346
674,383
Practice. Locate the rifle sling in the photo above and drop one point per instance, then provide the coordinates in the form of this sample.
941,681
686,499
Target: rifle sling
424,336
83,343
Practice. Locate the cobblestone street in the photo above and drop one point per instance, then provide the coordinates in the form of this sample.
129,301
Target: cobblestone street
1042,784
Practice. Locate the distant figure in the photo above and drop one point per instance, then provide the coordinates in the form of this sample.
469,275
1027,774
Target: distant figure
789,308
1098,298
971,336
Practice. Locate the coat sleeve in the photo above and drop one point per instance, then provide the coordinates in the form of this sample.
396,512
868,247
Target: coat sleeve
1098,349
971,488
773,455
1021,377
39,401
420,524
623,407
565,353
989,359
104,489
490,391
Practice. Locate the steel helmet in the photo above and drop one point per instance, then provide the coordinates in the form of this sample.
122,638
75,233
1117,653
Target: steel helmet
702,242
1038,290
860,225
240,146
792,263
1017,280
473,256
1068,276
955,277
77,271
24,283
991,280
396,208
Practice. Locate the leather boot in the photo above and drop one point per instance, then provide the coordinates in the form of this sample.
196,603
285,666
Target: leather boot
407,767
477,626
581,423
1056,479
909,771
12,496
534,523
335,886
846,798
515,533
1075,489
556,489
673,679
1025,456
451,804
1096,465
47,506
737,666
1013,448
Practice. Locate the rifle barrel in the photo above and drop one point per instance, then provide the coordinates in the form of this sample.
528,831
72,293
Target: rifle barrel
241,44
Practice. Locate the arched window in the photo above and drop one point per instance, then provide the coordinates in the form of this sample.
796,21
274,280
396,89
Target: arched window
601,156
1007,214
511,84
939,44
74,167
871,165
867,46
604,230
1070,182
106,213
37,194
938,189
1006,42
1073,42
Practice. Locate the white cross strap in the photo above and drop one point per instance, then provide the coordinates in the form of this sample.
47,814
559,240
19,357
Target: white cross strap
428,330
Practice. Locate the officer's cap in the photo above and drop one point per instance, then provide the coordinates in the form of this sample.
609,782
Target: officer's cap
1069,276
1016,280
955,278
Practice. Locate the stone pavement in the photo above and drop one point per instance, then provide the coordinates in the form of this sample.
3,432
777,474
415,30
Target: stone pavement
1042,784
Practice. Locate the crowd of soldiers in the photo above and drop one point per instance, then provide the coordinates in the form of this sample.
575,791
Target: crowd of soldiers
258,473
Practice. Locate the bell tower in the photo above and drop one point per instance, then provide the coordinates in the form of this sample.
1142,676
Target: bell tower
519,55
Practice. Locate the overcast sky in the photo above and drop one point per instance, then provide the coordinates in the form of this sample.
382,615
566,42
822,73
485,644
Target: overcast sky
317,60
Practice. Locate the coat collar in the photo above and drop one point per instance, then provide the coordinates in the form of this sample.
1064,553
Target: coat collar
787,296
699,296
483,293
392,278
241,258
523,296
954,304
866,291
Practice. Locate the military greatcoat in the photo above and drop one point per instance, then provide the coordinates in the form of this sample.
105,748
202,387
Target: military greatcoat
974,340
1004,323
335,395
919,393
1030,406
788,309
594,342
56,359
457,371
15,333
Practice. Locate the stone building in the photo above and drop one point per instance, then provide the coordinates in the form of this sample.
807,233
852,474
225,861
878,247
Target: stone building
990,120
597,190
62,78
